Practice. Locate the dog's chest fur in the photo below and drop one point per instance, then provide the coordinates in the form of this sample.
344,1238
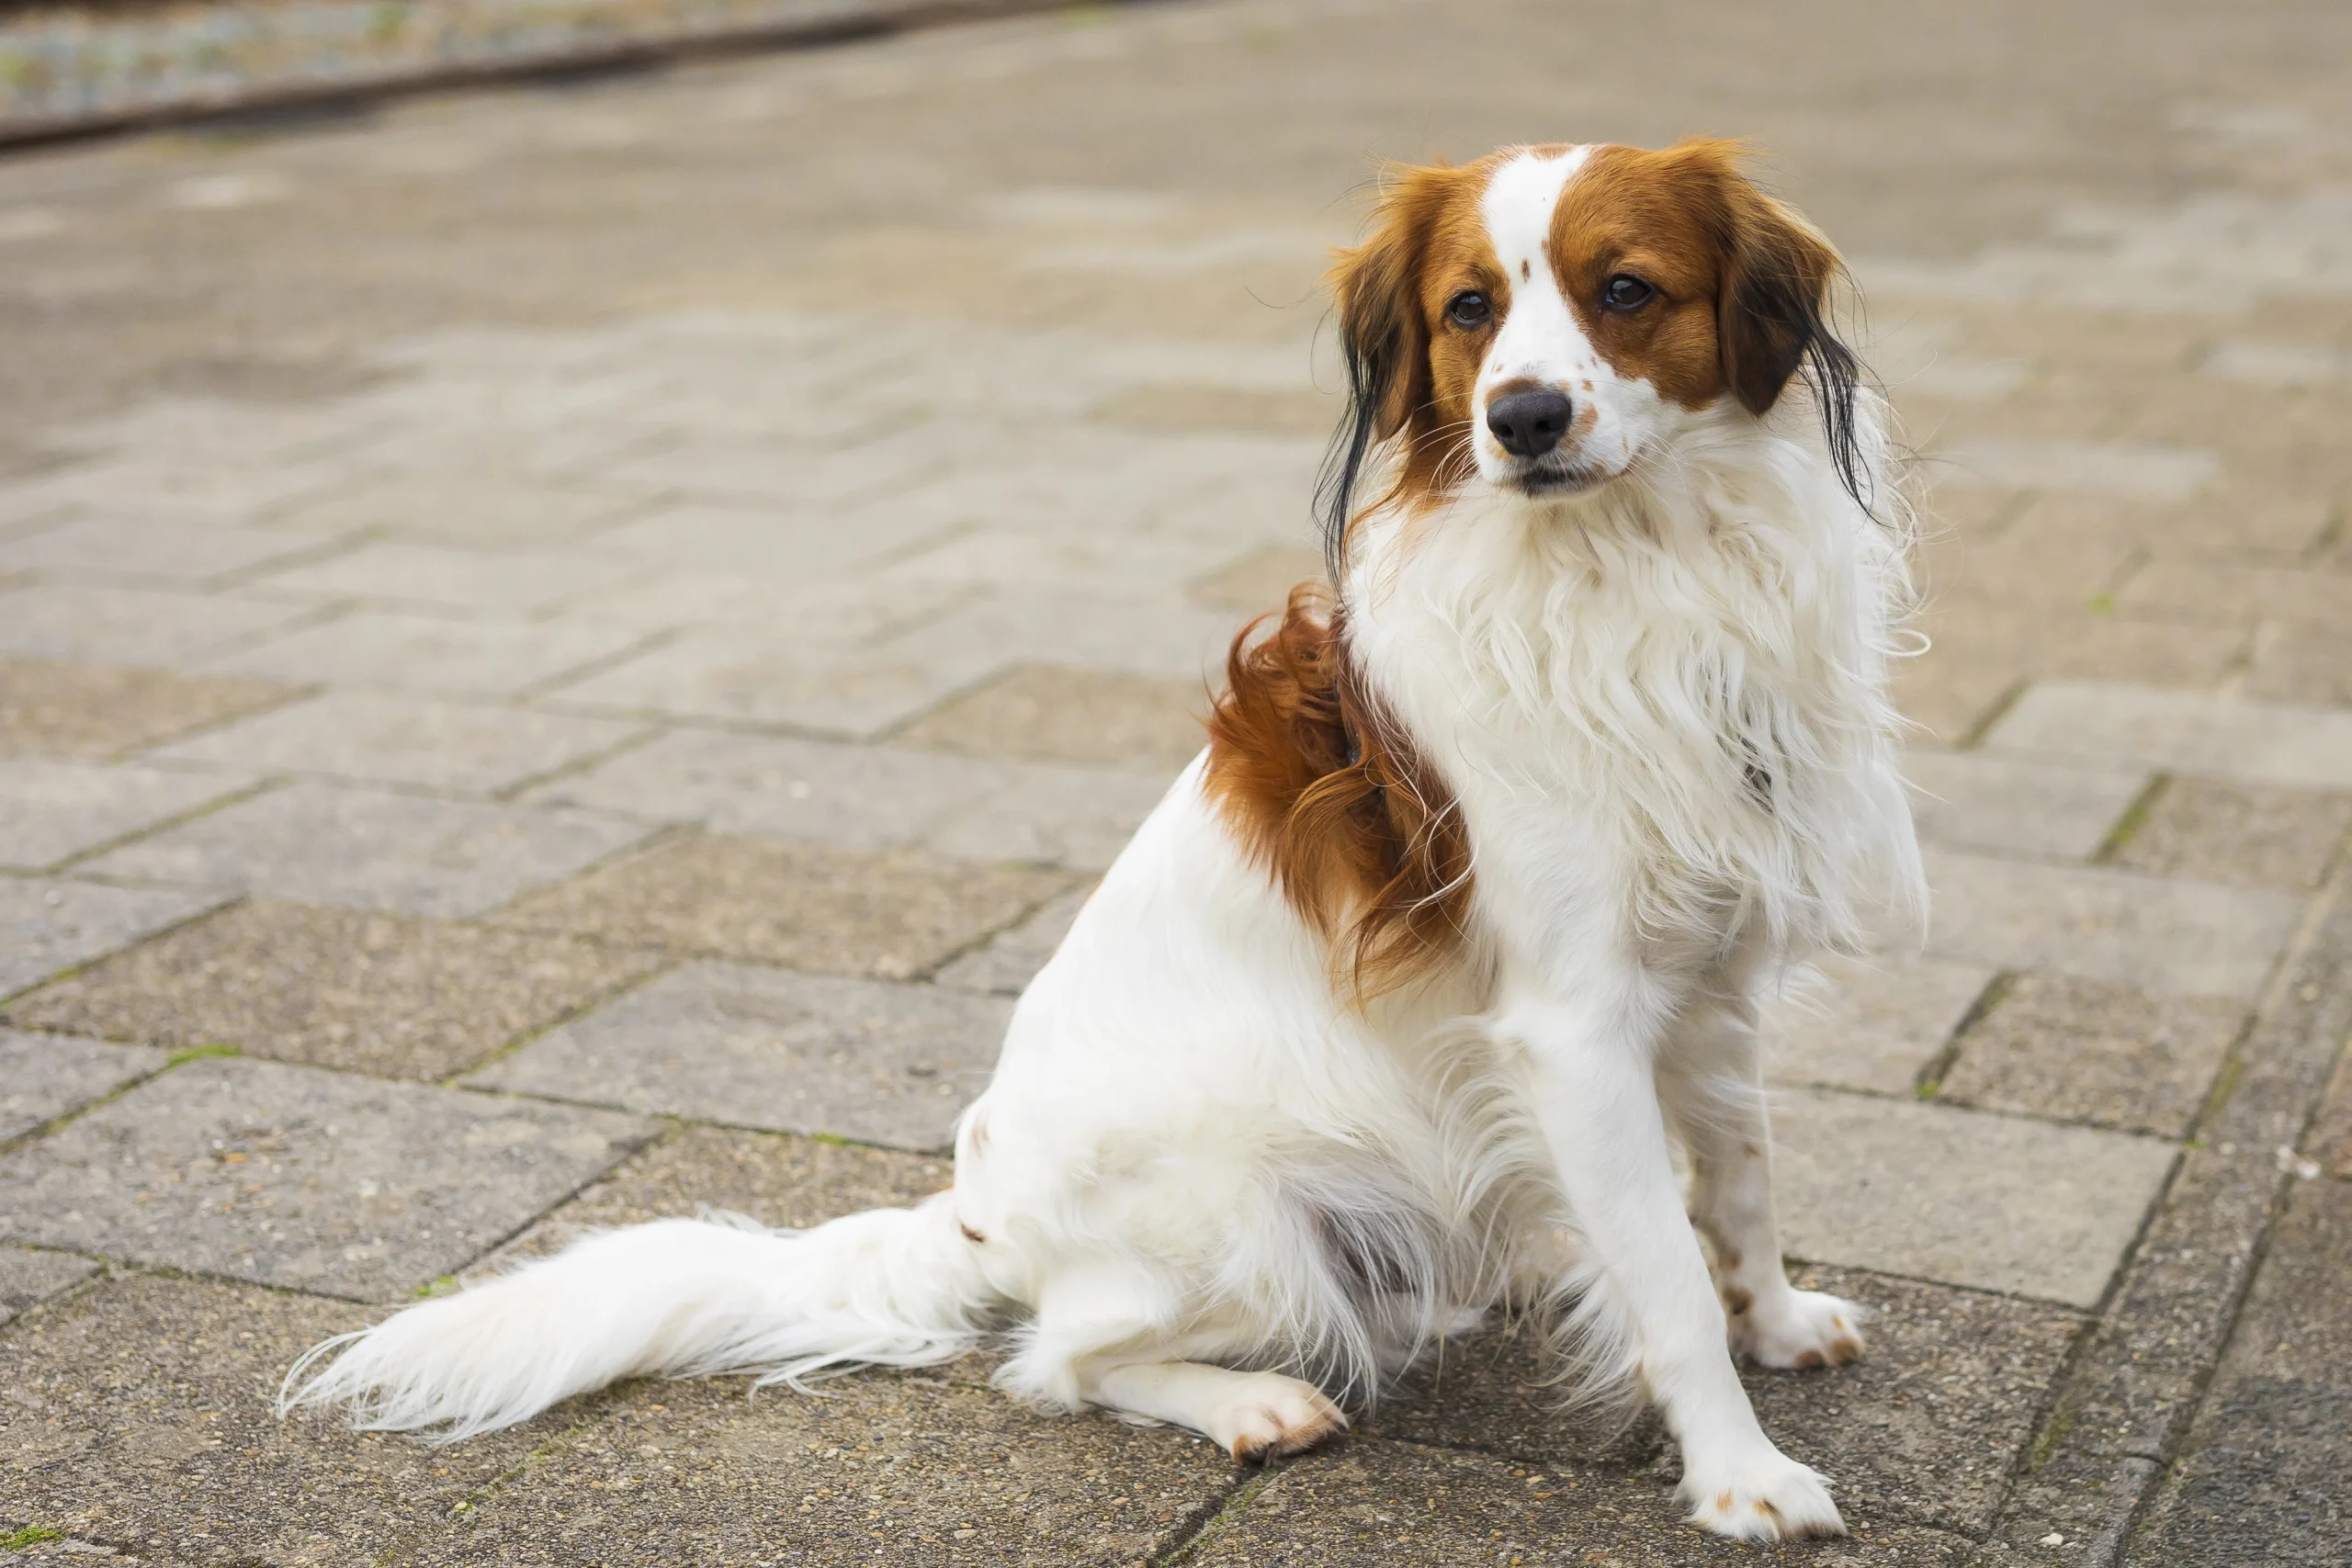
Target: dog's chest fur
1663,719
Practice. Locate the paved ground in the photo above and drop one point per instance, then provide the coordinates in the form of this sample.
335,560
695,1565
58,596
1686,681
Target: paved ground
563,652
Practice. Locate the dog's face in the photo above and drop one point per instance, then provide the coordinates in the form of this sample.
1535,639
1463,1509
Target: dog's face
1547,317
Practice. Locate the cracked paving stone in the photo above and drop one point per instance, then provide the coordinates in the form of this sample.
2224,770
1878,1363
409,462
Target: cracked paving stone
1868,1024
42,1076
877,1062
308,1179
52,810
883,914
1972,800
1007,964
2239,834
56,708
29,1278
1044,715
904,1469
139,1414
2085,1051
381,994
2331,1139
1404,1506
1260,582
49,925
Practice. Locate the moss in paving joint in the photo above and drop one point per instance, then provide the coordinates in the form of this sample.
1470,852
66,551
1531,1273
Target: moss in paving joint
1218,1522
200,1053
2135,817
2225,1085
1930,1082
2047,1441
31,1535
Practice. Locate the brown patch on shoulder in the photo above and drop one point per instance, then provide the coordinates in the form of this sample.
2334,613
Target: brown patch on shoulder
1738,275
970,1234
1737,1300
1328,793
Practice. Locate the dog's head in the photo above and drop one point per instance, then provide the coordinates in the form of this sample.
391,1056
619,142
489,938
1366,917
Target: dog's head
1547,317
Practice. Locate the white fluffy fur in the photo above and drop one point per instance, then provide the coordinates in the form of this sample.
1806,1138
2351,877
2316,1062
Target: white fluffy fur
1194,1156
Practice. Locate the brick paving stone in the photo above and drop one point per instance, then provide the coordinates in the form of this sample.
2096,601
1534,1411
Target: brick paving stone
473,507
114,547
1978,801
878,1063
2114,468
1405,1506
49,925
1981,649
297,1177
2305,664
1007,963
756,677
2259,522
190,487
1935,1193
827,613
2086,1051
765,540
1869,1025
1096,561
131,626
28,1278
45,1075
2331,1138
776,1179
140,1417
2162,934
2197,590
386,738
366,850
1074,628
53,707
2240,834
511,582
873,796
1044,715
886,914
381,994
1260,582
2189,732
434,654
2262,1478
52,811
894,1469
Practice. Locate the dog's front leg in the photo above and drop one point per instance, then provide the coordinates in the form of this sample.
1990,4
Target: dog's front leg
1596,1097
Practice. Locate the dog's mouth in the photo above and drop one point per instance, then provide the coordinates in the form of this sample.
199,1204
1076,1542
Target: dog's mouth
1553,475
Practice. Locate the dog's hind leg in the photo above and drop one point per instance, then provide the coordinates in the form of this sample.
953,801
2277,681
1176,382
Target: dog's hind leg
1716,1098
1253,1415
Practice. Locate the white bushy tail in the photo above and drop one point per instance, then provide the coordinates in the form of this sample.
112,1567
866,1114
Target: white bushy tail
893,1287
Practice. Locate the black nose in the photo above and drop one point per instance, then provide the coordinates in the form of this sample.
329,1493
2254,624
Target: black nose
1530,423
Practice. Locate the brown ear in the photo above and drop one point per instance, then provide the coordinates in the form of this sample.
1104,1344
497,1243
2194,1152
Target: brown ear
1383,338
1775,282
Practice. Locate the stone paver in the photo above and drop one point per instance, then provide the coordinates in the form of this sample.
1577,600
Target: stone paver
762,1048
372,993
140,1417
886,914
52,811
28,1278
382,739
370,851
2189,732
46,927
302,1179
1972,800
433,654
1073,715
2084,1050
45,1075
53,707
131,626
855,533
1868,1025
2239,833
1932,1191
2162,934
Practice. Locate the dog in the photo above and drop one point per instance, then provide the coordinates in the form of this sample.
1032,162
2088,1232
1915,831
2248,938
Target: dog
1400,1008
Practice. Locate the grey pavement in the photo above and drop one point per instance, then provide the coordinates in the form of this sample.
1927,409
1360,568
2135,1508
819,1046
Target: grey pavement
566,649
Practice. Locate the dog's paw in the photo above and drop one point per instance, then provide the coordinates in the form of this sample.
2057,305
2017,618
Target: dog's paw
1794,1328
1768,1497
1273,1416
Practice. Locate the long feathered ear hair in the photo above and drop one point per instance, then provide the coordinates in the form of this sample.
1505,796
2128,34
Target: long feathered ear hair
1770,316
1383,341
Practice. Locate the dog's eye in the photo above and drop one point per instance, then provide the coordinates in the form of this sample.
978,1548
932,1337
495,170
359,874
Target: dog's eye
1626,292
1468,311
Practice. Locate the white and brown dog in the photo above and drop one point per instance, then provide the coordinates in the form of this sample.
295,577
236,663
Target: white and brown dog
1396,1010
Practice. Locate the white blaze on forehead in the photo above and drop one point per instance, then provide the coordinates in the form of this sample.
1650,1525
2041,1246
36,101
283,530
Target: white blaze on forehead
1540,336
